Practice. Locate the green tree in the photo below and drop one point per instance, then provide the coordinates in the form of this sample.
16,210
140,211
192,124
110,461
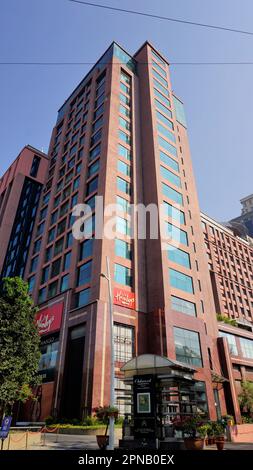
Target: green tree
19,344
246,397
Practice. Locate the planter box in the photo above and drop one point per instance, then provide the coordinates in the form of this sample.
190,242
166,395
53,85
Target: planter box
241,433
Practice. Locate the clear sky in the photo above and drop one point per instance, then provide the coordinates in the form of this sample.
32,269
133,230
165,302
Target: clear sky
218,99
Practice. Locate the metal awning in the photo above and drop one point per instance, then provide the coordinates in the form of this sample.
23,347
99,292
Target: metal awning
153,364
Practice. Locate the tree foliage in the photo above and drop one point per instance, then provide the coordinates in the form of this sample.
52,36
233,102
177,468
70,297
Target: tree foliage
19,343
246,397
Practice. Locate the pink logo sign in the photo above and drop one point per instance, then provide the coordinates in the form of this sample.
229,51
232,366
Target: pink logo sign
48,320
124,298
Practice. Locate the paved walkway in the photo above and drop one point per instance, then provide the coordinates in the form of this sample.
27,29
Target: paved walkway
70,442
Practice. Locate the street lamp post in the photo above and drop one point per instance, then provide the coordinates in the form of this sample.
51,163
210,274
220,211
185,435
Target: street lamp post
107,276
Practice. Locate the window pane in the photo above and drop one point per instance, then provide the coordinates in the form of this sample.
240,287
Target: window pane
169,161
178,256
172,194
123,249
84,274
184,306
180,281
174,213
83,297
167,146
187,346
171,177
177,234
123,275
166,133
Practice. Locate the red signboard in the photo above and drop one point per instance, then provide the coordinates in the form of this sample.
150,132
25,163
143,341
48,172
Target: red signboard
48,320
124,298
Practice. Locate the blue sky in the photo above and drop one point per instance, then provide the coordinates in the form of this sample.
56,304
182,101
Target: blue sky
218,99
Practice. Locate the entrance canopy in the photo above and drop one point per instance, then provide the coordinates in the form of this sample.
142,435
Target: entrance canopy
157,365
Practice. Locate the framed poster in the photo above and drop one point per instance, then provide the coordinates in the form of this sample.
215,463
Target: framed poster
143,403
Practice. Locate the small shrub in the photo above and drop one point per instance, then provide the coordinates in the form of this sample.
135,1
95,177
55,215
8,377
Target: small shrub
49,420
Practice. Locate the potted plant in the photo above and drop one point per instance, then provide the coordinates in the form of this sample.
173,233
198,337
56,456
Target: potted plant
103,413
210,434
219,433
194,432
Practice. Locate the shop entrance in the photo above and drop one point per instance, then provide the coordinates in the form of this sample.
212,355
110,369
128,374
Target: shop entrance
72,386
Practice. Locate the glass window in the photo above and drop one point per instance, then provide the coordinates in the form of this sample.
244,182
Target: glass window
123,342
123,110
171,177
69,240
49,352
123,249
34,263
97,124
161,79
65,282
86,249
123,275
92,186
247,347
125,77
95,138
187,346
178,256
122,226
31,283
45,274
123,152
56,266
157,57
124,123
125,88
95,152
162,98
177,234
76,183
172,194
123,168
37,245
61,227
167,146
183,306
58,246
123,203
83,297
164,120
99,111
169,161
94,168
166,133
84,273
162,108
231,342
174,213
159,68
124,99
123,186
124,137
180,281
160,87
52,289
42,295
67,260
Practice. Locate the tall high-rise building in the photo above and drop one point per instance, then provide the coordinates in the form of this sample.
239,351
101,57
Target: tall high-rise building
244,222
230,260
20,189
121,135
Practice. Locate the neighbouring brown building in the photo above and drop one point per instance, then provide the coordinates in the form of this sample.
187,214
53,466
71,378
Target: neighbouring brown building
122,135
230,260
20,189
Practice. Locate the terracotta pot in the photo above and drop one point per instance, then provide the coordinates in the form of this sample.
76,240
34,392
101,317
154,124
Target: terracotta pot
102,441
211,441
194,443
219,441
